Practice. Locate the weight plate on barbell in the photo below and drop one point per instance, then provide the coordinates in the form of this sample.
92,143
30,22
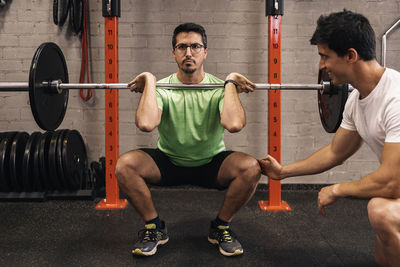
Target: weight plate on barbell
331,105
16,157
48,108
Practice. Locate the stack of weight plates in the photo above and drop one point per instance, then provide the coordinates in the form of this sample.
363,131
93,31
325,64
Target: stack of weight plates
42,162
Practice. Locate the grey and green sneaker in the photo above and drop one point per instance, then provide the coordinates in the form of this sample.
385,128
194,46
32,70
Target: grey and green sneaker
226,239
149,238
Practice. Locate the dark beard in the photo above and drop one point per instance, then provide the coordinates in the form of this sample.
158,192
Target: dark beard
188,71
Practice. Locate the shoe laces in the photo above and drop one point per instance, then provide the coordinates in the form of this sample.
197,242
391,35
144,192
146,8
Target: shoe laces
225,234
147,235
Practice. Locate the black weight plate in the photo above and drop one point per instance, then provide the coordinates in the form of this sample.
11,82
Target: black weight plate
29,180
55,11
60,170
60,11
331,105
64,9
43,160
40,185
48,64
51,163
5,147
16,158
3,184
74,159
76,15
102,174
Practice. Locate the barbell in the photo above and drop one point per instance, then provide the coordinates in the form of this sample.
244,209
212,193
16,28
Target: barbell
48,88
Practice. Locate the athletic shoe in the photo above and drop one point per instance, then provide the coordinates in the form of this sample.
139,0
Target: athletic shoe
226,239
149,238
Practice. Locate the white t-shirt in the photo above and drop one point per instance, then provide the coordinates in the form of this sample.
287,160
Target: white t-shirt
376,118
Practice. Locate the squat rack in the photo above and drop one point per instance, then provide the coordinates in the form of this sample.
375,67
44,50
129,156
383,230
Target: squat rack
111,12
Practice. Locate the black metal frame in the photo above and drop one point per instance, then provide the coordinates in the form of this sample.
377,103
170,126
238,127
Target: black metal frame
111,8
270,8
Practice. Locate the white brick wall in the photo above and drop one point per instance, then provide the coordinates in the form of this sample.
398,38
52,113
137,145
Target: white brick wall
238,38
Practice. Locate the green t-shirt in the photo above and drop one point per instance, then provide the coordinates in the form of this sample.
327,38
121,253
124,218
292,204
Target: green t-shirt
190,132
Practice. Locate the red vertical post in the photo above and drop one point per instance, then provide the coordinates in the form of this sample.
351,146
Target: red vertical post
112,200
274,112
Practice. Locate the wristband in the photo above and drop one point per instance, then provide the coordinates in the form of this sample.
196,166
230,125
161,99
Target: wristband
231,81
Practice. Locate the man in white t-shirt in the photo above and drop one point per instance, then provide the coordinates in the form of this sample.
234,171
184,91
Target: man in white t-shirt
346,45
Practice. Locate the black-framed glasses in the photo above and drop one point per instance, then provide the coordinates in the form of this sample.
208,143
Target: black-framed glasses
194,48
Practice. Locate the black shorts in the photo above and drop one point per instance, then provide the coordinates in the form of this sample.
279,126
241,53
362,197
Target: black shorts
204,175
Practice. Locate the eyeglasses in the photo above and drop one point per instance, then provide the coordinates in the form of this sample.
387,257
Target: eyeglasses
194,48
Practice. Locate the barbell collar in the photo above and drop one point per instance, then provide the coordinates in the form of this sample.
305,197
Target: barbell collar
52,87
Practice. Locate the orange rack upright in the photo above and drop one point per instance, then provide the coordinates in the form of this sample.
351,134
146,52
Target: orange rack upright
274,11
111,12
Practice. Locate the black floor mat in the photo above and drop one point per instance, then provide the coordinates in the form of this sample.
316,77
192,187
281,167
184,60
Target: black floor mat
73,233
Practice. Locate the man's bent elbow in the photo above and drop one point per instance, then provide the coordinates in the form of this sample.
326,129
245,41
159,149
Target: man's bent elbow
389,187
394,189
146,126
234,127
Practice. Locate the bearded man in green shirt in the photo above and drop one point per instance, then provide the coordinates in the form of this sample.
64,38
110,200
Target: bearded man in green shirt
190,146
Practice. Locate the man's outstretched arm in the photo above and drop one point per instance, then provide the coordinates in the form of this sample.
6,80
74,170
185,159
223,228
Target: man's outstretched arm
344,144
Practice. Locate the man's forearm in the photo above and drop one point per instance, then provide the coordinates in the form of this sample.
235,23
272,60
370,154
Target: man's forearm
147,114
233,117
318,162
375,184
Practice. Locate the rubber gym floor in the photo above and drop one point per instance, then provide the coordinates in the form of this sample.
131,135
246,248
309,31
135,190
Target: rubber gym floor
74,233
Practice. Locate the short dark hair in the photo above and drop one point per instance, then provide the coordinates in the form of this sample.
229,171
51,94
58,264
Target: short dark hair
344,30
190,27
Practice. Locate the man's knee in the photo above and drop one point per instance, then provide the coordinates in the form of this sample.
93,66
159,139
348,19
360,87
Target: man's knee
250,169
384,217
126,166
